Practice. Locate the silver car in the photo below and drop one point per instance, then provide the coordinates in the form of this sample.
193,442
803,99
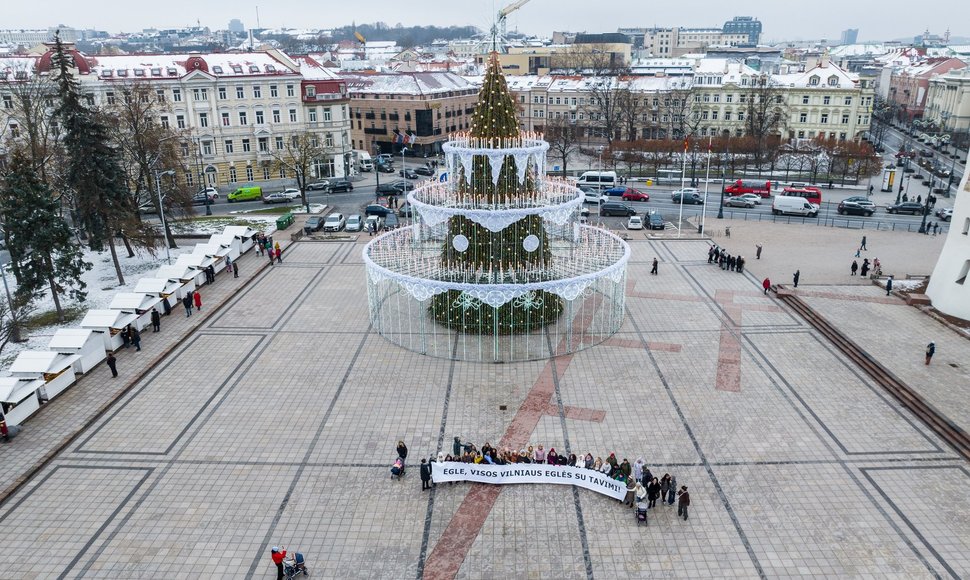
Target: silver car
355,223
335,222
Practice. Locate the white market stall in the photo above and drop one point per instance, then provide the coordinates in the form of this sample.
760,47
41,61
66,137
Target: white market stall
245,235
167,289
229,241
182,274
57,370
87,344
197,263
109,322
18,398
217,252
138,304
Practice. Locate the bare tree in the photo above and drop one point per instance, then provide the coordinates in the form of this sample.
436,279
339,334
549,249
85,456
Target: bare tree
29,121
766,114
300,156
563,137
678,117
147,147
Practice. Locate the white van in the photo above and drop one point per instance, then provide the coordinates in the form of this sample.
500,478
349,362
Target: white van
364,161
597,180
785,204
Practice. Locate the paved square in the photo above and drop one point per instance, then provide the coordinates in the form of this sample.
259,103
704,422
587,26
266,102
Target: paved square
275,423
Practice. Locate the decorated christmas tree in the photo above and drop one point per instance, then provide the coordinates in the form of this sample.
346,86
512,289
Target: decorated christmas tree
517,253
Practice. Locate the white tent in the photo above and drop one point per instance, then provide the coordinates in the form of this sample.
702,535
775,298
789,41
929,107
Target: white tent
137,303
197,262
84,342
245,235
56,368
111,323
19,397
228,240
168,290
179,273
218,251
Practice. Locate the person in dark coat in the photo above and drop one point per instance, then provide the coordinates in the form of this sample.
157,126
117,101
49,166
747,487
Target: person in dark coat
930,351
654,269
112,364
672,491
889,286
126,336
156,320
855,267
456,446
166,307
796,276
135,337
235,269
740,264
402,450
187,303
425,475
683,502
653,492
865,268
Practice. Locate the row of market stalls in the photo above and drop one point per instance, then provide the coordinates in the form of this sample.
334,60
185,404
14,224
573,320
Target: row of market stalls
37,376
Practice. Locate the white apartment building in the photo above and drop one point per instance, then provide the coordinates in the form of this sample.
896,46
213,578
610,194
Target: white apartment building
948,101
674,42
236,112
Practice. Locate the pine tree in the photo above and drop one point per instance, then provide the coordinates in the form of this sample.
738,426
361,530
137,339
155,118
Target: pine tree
498,256
43,252
94,171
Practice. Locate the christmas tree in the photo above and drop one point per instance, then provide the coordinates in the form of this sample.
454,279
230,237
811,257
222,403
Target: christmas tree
518,253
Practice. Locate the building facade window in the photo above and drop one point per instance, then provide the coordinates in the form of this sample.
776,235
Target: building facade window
327,116
259,117
232,175
203,120
312,115
164,121
177,95
240,93
207,147
289,91
243,118
803,117
265,172
257,92
249,173
228,145
225,119
246,147
276,115
180,121
824,119
280,143
263,144
274,91
292,115
222,93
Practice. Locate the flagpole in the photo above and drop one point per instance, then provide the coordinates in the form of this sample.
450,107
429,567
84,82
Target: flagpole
683,176
707,183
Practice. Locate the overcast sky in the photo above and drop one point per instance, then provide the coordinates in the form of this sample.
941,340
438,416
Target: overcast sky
781,19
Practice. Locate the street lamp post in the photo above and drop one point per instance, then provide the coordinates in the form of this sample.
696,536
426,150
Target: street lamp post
720,205
403,169
161,210
377,171
14,323
926,211
693,166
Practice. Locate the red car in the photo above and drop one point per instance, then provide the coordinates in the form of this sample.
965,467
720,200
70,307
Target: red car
633,195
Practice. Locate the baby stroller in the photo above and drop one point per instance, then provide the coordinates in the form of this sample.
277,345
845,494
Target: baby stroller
294,565
642,514
397,470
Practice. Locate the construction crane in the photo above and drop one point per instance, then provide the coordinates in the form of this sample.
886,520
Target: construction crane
498,28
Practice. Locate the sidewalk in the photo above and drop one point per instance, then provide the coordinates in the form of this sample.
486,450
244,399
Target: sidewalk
58,422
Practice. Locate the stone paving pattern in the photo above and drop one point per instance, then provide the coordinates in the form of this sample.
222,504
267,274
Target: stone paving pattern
274,421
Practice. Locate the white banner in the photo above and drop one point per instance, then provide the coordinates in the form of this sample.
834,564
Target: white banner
528,473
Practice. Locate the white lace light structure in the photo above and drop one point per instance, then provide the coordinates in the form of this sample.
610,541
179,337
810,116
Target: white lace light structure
585,267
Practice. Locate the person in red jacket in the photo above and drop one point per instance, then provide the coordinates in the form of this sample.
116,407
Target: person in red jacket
197,298
278,554
766,284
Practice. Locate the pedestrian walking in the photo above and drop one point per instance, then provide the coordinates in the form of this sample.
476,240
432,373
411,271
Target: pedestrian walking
672,491
936,226
930,351
425,475
871,187
156,321
855,267
135,338
710,254
653,492
112,364
683,502
235,269
766,284
664,487
631,492
197,299
269,252
228,264
865,268
126,336
278,252
187,303
889,285
654,269
905,198
858,253
919,199
863,245
796,276
757,254
278,554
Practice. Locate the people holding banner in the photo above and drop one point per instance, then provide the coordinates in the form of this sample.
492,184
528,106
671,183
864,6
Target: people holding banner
588,463
631,492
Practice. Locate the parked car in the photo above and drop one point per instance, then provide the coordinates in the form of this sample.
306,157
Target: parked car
616,208
862,200
334,223
385,168
754,197
313,224
408,174
402,185
739,201
689,195
594,197
657,222
424,170
634,223
945,213
378,210
212,192
318,186
291,192
854,208
387,188
406,210
278,197
910,207
354,223
391,222
373,223
340,184
199,199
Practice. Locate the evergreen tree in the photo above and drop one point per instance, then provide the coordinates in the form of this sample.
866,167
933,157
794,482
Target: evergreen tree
498,257
43,252
94,171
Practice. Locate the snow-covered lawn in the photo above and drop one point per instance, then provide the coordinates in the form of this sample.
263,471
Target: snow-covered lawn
102,281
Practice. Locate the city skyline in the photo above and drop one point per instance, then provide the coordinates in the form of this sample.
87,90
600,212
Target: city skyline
537,17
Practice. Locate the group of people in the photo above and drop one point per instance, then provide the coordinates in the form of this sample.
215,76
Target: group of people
641,483
191,299
265,244
875,266
720,256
